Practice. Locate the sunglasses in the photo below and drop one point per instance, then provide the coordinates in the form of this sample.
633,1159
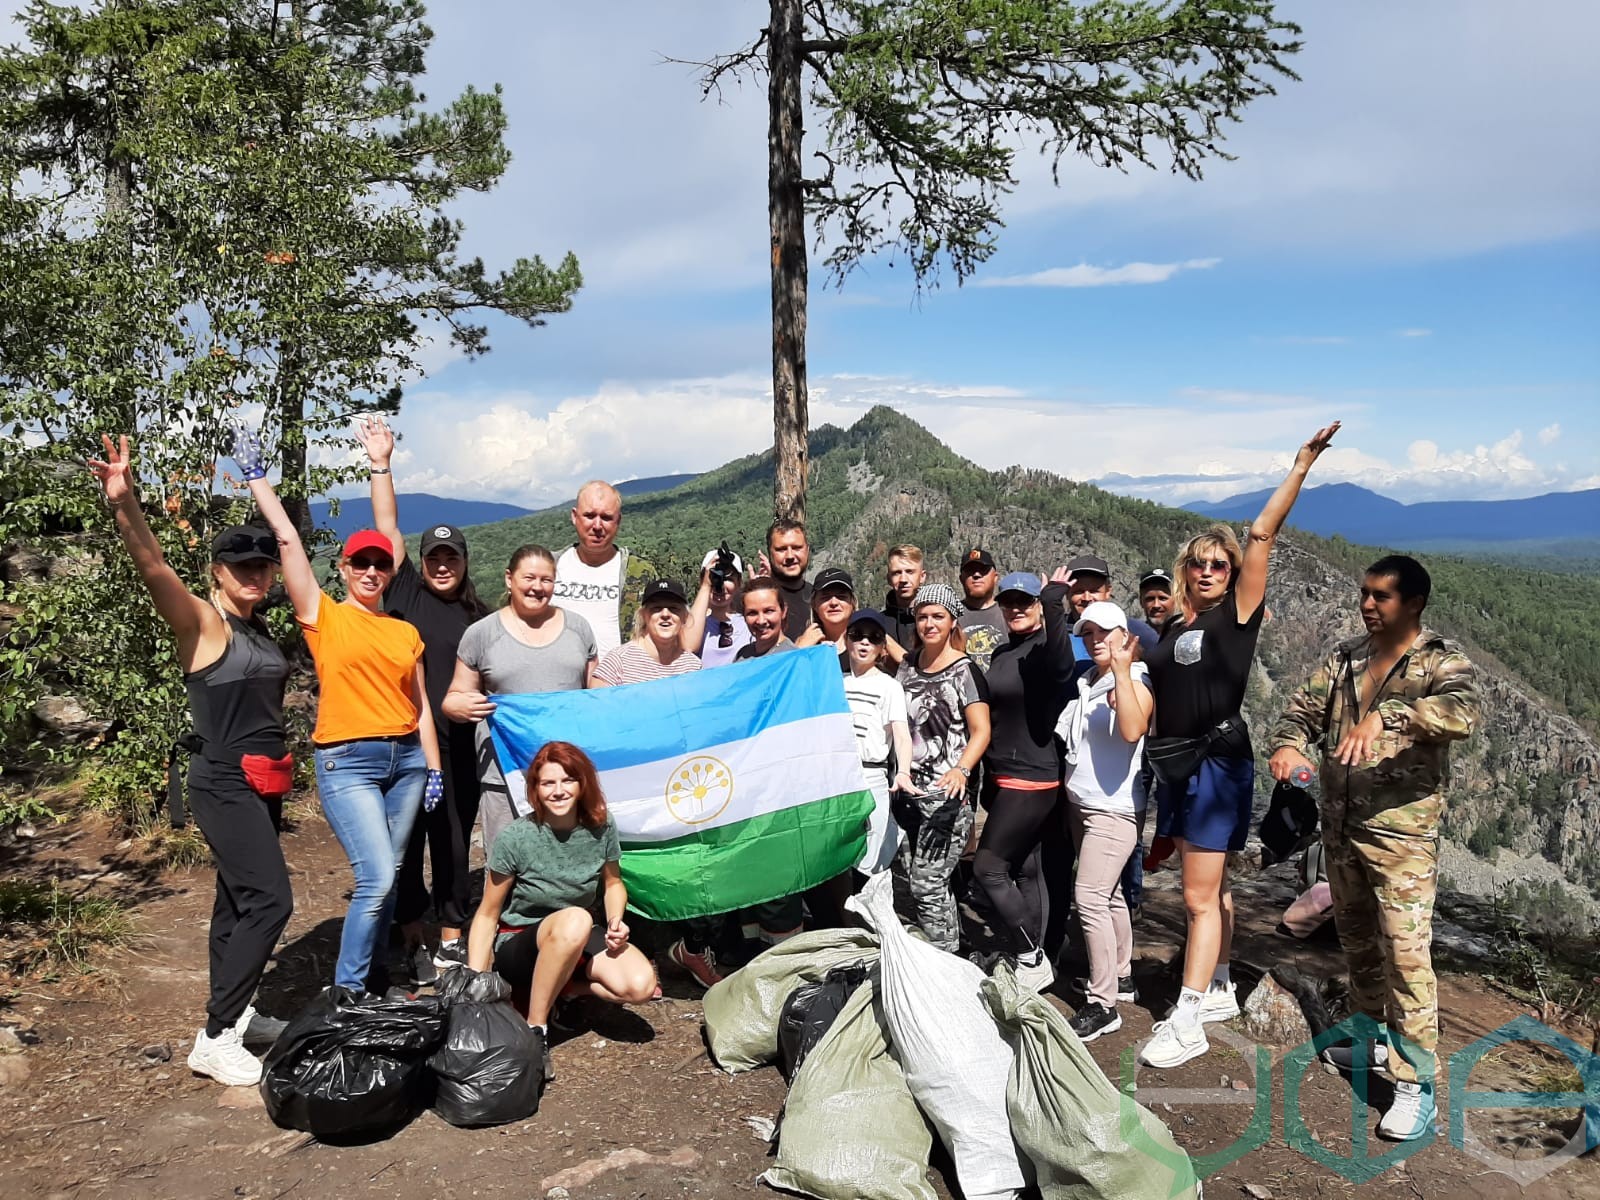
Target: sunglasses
724,634
875,636
364,564
1217,566
264,545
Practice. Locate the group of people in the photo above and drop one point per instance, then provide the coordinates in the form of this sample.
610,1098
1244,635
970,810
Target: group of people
1024,722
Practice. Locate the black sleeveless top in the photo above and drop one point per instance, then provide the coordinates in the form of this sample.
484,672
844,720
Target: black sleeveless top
237,701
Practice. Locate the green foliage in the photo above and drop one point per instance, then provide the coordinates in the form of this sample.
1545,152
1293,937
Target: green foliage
924,104
46,925
209,209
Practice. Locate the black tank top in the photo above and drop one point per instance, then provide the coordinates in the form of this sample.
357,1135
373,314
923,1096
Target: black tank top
237,701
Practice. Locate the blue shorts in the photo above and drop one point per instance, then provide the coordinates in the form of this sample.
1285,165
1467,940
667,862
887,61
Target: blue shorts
1214,811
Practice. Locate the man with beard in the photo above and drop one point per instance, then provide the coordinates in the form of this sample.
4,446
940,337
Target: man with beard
1155,596
785,562
984,623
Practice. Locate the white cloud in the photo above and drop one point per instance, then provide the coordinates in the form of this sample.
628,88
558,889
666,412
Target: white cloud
1550,434
1413,333
1085,276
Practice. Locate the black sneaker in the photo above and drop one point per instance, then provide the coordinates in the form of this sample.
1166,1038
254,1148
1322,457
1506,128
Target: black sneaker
451,954
420,960
257,1029
1092,1020
544,1052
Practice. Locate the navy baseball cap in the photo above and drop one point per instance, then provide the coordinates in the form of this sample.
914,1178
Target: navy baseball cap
1021,581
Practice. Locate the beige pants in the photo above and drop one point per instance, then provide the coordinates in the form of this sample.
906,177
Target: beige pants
1103,840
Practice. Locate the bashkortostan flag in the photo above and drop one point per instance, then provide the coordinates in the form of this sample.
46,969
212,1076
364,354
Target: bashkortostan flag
729,787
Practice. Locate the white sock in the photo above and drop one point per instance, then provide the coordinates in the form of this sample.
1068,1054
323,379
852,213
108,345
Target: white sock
1031,958
1188,1010
1219,977
542,1029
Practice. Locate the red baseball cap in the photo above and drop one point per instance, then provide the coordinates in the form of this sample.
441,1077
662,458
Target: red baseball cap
368,539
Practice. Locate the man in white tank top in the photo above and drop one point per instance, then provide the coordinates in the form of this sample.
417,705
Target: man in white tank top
591,573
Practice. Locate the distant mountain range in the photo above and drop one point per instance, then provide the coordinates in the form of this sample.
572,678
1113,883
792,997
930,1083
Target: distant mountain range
418,510
1359,515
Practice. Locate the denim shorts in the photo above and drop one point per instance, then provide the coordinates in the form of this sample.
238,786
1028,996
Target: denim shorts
1214,811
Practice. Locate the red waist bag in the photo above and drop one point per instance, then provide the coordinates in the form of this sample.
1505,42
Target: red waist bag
270,777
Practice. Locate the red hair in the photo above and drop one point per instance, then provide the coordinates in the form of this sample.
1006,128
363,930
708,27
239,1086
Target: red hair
591,800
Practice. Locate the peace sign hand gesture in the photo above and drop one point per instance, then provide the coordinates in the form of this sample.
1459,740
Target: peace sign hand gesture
115,471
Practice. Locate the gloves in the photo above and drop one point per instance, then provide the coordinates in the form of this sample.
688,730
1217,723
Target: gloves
1161,849
433,790
247,454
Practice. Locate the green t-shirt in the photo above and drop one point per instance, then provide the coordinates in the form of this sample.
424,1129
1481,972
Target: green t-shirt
551,871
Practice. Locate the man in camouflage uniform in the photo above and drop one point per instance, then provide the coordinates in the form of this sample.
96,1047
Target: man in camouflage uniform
1383,709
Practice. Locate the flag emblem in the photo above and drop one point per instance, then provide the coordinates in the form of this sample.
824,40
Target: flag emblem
700,788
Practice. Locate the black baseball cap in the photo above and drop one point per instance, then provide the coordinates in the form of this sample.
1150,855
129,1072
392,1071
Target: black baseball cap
663,589
242,543
979,556
444,535
868,616
1156,575
836,577
1088,564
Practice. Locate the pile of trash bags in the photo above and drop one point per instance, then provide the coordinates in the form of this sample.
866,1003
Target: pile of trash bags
888,1041
355,1067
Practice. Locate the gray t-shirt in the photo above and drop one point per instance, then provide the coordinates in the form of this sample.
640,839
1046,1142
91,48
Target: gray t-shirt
986,632
507,666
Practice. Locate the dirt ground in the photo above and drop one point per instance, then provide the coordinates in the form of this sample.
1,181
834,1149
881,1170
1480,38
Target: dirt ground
90,1115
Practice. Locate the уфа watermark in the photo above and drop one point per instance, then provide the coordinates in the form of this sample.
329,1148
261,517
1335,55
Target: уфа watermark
1359,1165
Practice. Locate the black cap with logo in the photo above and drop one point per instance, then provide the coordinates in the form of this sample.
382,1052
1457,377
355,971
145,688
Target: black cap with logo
444,535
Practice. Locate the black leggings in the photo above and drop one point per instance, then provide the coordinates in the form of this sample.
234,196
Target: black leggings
253,901
447,830
514,958
1007,862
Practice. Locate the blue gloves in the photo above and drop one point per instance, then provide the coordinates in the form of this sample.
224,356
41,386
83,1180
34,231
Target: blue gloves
248,455
433,790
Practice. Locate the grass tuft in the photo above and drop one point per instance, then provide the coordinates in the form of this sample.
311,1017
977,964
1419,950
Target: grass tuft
44,924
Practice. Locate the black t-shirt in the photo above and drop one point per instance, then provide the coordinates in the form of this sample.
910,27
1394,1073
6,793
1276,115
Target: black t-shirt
440,623
1199,670
1029,678
797,605
902,622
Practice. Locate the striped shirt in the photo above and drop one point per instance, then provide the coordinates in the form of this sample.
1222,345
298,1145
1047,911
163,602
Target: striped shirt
632,663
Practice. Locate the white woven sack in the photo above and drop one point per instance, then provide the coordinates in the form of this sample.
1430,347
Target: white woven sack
947,1042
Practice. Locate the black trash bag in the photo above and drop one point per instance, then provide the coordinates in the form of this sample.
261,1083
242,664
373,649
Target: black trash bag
1290,823
353,1067
810,1011
490,1069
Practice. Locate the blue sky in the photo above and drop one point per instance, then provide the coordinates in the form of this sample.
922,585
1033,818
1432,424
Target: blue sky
1409,241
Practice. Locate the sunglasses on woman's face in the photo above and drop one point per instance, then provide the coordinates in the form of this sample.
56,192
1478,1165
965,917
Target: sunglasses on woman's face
1217,566
363,564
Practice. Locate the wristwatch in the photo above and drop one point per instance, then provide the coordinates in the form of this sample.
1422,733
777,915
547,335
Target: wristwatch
966,772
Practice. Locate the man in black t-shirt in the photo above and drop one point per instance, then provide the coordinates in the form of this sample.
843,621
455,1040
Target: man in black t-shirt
787,557
906,574
984,624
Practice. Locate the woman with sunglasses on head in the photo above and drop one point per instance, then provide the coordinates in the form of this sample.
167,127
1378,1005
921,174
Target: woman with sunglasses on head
238,779
947,708
374,746
656,649
878,710
527,645
1202,756
440,602
1028,680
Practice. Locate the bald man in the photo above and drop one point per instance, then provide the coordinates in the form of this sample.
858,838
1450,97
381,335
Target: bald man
591,573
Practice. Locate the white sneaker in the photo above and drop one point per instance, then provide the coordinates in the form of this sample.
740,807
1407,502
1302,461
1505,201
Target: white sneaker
1174,1044
225,1059
1221,1003
1412,1114
1036,978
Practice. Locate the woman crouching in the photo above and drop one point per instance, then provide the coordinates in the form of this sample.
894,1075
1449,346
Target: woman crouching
554,899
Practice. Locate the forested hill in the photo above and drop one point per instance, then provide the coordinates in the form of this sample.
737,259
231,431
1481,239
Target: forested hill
1530,774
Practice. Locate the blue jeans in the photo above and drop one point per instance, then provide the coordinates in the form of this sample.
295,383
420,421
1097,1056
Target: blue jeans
371,791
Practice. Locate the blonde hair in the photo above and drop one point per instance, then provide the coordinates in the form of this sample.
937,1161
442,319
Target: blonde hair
1202,545
910,553
641,616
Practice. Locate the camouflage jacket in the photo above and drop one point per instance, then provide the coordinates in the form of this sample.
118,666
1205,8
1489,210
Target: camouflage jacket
1429,700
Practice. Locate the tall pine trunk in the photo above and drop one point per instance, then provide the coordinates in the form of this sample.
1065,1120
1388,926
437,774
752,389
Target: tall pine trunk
786,214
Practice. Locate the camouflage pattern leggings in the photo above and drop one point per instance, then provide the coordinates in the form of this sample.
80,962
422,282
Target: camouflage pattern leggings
1383,884
923,870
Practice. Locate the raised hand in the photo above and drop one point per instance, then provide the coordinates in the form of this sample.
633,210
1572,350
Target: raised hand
1059,575
1121,645
247,454
376,438
115,471
1319,442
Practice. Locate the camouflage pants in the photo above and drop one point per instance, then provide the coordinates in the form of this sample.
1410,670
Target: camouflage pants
1383,886
923,870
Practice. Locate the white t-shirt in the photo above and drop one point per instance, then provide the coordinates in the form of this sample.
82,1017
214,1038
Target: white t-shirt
876,700
594,593
1107,770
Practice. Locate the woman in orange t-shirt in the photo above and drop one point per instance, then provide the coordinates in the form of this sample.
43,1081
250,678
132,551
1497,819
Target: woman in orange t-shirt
377,756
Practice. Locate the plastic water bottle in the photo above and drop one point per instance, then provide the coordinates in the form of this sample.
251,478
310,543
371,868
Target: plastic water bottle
1302,776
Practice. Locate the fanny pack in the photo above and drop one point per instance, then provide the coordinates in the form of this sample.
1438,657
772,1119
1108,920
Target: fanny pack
268,777
1174,759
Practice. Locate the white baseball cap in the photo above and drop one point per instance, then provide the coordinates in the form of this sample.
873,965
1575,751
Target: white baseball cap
711,557
1103,613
